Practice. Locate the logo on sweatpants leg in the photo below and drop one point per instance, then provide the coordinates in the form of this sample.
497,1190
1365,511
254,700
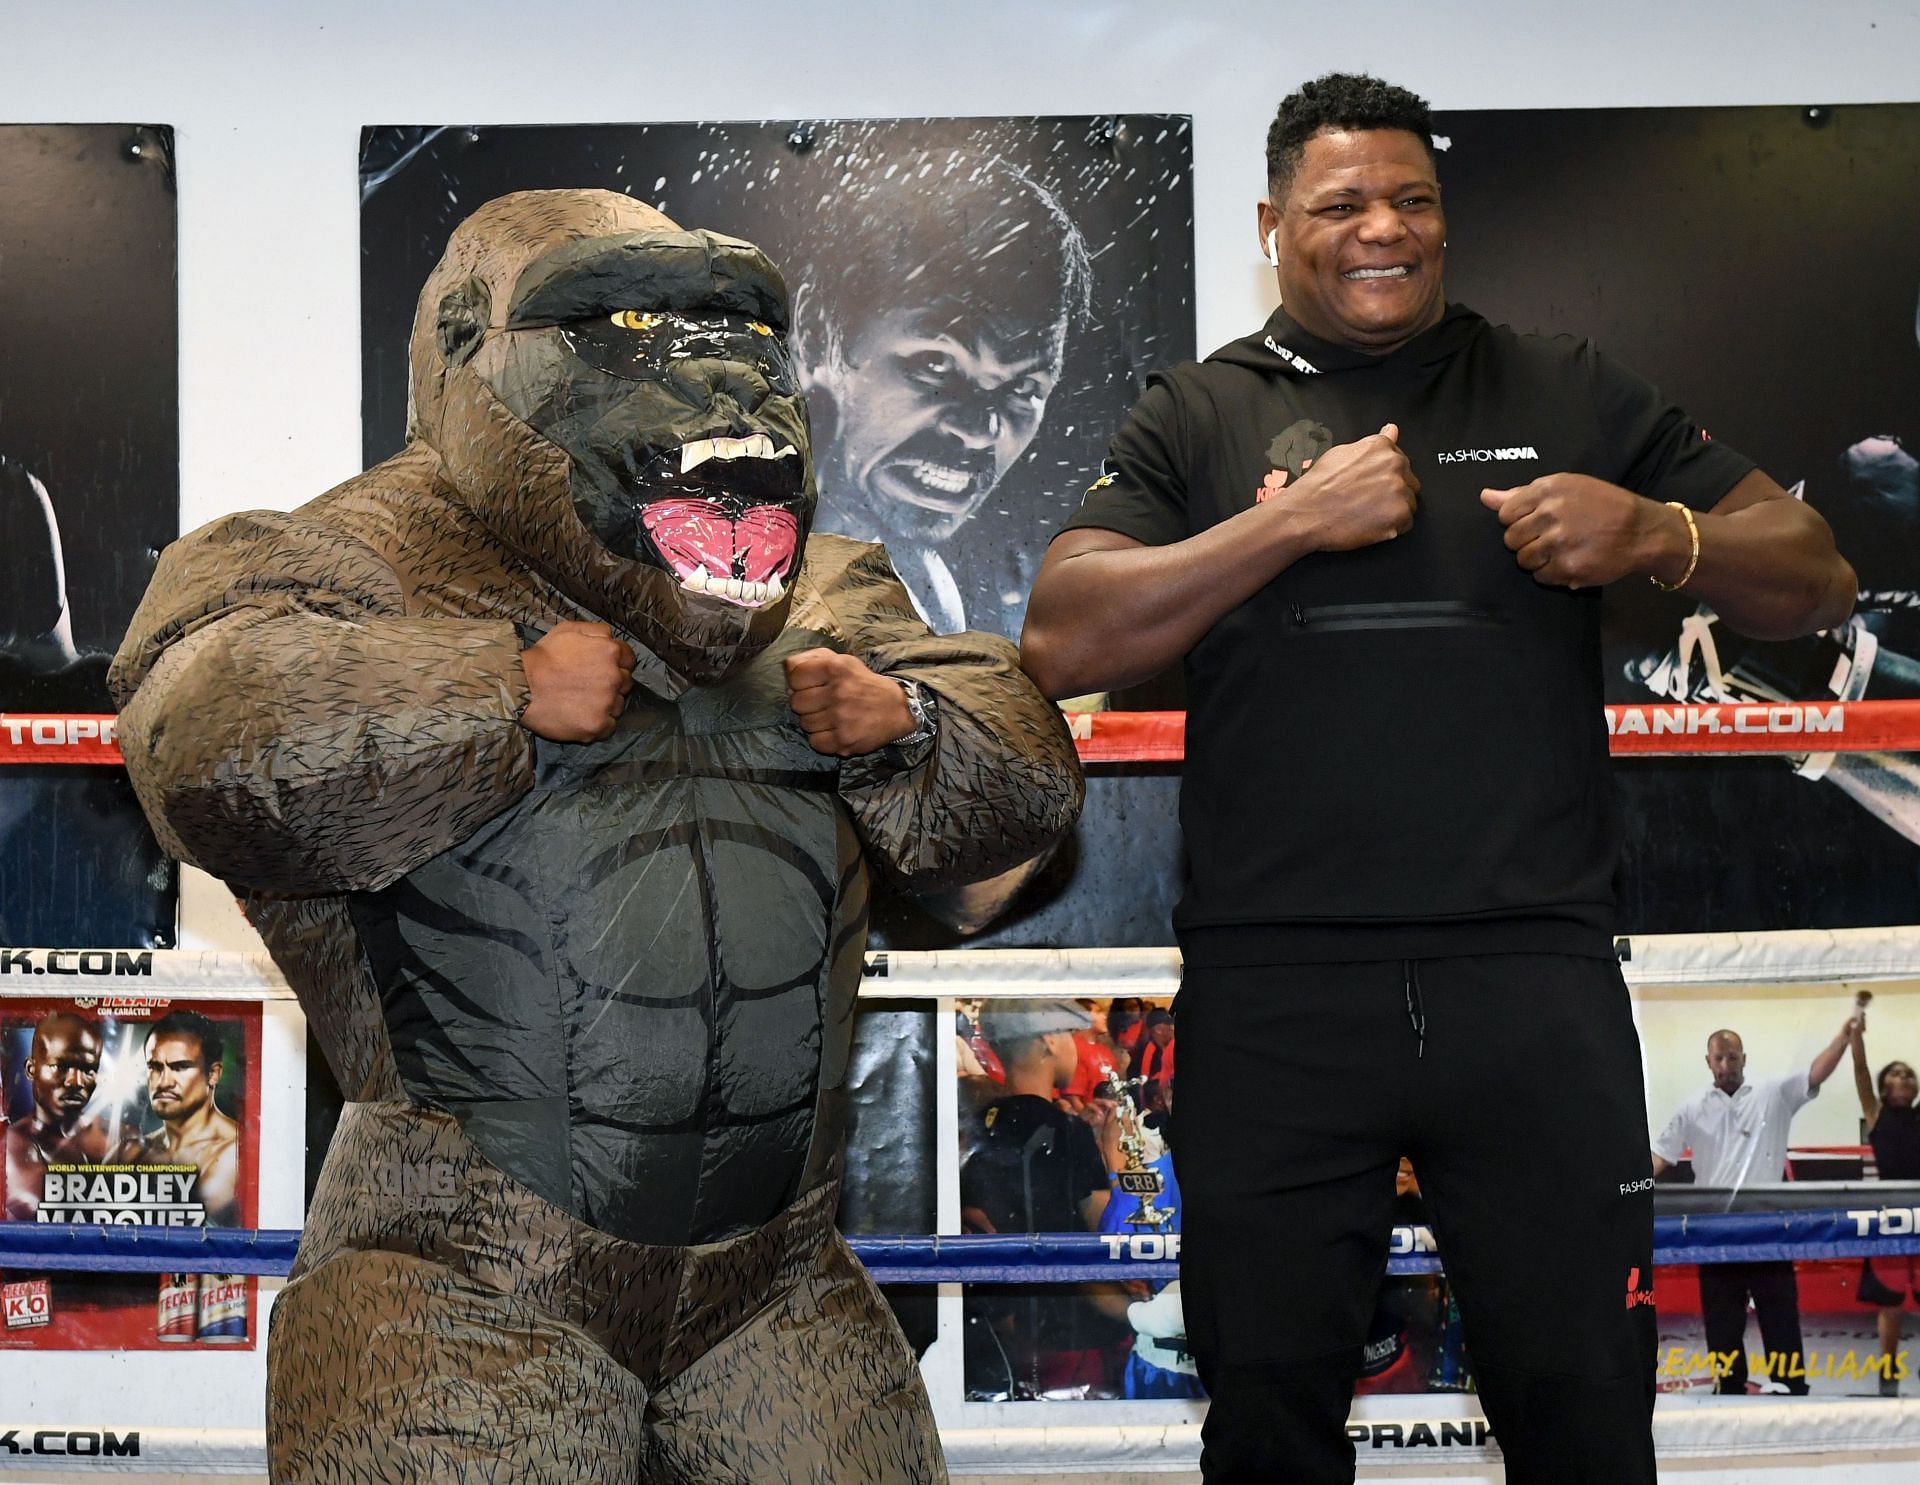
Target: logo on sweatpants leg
1635,1294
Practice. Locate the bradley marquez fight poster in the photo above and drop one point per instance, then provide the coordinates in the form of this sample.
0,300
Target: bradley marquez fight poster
136,1111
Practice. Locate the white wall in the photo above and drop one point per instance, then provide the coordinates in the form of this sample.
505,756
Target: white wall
268,99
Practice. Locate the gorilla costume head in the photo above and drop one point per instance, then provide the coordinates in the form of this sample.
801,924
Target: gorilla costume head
615,399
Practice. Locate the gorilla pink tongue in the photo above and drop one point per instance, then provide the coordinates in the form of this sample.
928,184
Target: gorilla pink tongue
692,534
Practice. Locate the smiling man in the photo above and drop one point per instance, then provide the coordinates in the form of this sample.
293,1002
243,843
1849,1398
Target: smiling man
1375,530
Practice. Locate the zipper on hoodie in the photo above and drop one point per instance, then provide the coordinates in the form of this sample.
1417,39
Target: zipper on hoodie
1446,613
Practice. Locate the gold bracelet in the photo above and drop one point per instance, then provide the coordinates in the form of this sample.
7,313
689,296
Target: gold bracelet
1693,557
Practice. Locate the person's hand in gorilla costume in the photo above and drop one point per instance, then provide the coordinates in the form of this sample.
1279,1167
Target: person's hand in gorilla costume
845,708
578,677
513,746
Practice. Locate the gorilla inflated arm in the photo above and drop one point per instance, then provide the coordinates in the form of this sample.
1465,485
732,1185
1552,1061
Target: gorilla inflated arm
287,725
1000,782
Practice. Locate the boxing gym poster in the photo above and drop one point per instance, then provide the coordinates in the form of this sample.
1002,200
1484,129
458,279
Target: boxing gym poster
89,493
976,304
1754,264
132,1110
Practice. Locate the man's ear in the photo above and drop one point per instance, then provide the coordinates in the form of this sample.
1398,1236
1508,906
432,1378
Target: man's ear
804,336
816,356
462,320
1267,224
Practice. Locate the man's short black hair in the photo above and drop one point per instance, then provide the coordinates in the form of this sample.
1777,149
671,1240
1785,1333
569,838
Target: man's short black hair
1340,100
195,1025
962,231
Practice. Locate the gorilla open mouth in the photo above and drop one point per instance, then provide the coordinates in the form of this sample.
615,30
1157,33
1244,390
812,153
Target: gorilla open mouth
726,522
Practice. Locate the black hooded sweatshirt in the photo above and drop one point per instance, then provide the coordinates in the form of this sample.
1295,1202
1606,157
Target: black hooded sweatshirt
1398,751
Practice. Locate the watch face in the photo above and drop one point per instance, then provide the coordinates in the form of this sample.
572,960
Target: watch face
920,703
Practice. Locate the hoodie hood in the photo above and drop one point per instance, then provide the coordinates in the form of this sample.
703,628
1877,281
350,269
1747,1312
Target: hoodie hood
612,396
1282,348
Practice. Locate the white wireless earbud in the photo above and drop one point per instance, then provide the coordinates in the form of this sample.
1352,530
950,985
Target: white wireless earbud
1273,246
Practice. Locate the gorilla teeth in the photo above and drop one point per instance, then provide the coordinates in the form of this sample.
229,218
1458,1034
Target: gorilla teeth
737,589
754,446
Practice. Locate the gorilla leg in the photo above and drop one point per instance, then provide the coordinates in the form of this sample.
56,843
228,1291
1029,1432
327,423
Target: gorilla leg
384,1369
818,1388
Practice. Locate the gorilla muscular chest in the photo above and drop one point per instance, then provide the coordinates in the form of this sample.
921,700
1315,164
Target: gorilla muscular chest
619,986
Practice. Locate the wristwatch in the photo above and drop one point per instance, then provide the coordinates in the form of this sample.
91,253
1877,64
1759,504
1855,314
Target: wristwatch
925,720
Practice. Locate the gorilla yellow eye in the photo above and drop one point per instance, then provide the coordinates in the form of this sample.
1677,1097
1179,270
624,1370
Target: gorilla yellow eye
634,319
759,329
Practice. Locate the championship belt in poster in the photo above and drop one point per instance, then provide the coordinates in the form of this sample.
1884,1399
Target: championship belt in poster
1139,1180
129,1111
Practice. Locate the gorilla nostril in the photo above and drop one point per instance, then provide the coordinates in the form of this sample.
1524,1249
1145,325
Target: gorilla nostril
721,383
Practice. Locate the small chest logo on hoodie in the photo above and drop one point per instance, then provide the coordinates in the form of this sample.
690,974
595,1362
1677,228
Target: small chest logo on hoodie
1487,456
1291,454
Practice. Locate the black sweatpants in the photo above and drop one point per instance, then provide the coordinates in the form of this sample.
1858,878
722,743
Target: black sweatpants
1724,1288
1513,1082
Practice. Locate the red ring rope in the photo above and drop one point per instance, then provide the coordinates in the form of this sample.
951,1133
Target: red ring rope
1637,729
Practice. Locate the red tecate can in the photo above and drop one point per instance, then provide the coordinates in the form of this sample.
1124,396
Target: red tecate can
179,1307
223,1309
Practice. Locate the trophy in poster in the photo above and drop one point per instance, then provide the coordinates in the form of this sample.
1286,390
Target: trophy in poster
1139,1179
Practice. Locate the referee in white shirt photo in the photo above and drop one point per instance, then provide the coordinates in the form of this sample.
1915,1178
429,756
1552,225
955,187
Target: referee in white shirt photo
1738,1134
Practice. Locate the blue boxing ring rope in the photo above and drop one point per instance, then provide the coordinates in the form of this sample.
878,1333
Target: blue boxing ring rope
1857,1231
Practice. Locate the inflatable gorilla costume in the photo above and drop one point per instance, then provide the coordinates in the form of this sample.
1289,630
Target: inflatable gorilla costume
590,1002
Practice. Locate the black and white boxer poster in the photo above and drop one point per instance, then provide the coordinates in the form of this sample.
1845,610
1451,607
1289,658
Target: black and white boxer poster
977,302
89,492
1755,264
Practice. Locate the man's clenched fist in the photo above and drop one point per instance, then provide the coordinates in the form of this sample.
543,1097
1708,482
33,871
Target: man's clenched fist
845,708
578,677
1357,494
1575,531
